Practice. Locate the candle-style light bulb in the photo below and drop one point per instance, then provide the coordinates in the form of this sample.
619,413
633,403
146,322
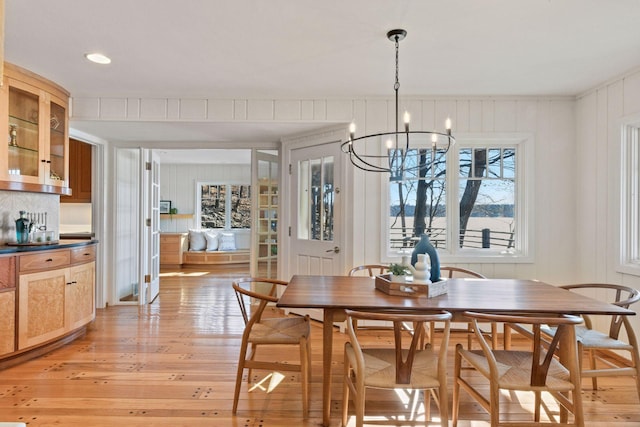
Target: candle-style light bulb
352,130
447,125
406,119
389,144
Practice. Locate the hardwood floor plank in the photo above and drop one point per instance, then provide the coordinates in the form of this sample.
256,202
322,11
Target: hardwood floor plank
173,363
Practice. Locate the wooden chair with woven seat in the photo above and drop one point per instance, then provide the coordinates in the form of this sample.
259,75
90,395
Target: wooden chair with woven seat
263,328
593,342
536,370
396,366
449,272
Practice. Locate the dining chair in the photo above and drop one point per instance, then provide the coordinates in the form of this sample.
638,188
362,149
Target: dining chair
370,270
450,272
600,346
270,328
396,364
535,370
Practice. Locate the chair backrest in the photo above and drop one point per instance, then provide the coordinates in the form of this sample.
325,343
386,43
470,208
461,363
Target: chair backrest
619,295
405,354
540,365
253,295
451,272
372,270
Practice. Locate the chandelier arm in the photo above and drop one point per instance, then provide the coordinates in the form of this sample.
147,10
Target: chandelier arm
396,157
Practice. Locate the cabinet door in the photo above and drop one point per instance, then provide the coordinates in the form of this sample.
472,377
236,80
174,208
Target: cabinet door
56,143
25,137
41,306
80,305
8,324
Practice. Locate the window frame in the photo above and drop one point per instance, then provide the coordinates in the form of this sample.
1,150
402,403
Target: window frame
629,229
227,201
524,231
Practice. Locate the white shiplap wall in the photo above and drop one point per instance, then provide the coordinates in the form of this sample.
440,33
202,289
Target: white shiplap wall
550,121
597,183
178,184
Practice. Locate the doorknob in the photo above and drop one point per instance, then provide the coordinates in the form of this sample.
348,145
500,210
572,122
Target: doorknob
335,250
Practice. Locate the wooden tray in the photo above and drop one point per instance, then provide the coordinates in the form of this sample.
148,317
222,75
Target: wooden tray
410,289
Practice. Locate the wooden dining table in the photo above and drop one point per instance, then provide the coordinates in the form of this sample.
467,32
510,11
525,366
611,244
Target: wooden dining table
334,294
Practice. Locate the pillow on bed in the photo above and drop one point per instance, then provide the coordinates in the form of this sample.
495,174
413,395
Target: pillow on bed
212,240
227,242
197,242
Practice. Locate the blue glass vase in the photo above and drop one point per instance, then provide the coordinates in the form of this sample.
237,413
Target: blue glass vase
22,228
424,246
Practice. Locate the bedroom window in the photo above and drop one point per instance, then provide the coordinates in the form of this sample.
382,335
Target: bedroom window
224,205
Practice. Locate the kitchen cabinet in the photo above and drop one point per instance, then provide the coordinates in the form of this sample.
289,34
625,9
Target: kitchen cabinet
80,169
35,122
172,246
7,304
56,294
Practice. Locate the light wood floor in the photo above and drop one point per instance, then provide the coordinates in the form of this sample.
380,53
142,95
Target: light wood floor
173,362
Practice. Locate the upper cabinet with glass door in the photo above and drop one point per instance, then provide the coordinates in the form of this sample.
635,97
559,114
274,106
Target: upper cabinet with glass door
36,155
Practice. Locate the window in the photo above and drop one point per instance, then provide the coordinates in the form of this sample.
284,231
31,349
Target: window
471,201
224,205
316,199
630,199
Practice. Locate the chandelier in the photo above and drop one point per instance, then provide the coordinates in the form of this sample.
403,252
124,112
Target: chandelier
392,151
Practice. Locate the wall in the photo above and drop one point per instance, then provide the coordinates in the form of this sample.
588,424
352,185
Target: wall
550,121
597,180
12,202
178,184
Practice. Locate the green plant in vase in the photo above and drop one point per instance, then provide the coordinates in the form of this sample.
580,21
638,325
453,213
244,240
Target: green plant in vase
398,272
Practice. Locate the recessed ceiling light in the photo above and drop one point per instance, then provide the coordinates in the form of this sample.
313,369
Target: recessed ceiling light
98,58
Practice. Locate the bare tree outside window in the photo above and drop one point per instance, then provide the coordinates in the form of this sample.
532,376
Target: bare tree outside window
225,206
486,200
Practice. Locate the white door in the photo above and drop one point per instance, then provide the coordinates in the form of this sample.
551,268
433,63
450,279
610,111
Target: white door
151,228
317,236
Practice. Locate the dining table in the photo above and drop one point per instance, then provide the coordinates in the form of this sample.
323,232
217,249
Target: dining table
334,294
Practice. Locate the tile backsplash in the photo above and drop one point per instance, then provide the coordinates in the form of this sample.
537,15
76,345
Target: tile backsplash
12,202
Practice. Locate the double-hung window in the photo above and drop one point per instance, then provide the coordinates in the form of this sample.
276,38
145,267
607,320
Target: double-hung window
471,200
630,198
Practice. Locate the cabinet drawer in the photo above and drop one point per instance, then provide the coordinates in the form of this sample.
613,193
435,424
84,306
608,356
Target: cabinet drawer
83,254
45,260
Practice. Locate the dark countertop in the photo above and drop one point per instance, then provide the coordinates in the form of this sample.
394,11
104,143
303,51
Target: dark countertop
77,236
62,244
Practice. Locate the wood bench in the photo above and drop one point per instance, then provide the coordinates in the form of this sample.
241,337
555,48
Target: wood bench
238,256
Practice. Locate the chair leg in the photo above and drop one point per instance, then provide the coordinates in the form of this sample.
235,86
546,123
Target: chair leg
592,364
456,388
494,400
359,403
241,361
345,391
443,405
538,402
635,358
427,406
304,375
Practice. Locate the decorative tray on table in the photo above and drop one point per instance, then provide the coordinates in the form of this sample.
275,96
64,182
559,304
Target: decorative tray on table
410,289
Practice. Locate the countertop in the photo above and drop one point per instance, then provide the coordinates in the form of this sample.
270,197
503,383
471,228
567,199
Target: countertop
62,244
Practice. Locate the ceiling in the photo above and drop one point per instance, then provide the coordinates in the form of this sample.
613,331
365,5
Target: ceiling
309,49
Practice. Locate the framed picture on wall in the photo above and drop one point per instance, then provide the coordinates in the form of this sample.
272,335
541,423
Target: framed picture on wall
165,206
